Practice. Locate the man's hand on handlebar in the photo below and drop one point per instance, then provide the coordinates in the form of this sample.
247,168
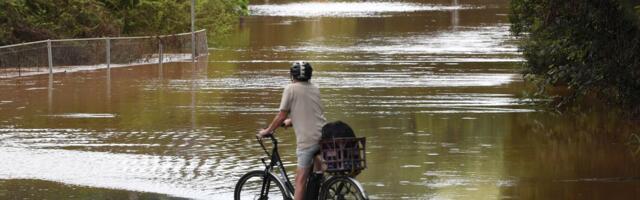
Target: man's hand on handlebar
264,133
286,123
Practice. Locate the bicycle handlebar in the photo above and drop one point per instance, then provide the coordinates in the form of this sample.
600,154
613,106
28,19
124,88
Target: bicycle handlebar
273,140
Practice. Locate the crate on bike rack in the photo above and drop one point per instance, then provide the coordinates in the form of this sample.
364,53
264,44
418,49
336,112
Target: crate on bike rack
344,155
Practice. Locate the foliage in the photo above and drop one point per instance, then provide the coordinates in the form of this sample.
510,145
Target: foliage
155,17
34,20
31,20
590,46
226,13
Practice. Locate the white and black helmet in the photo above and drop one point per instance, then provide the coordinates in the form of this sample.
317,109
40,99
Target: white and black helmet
301,71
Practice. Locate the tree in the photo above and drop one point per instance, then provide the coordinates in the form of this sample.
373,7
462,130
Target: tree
591,47
31,20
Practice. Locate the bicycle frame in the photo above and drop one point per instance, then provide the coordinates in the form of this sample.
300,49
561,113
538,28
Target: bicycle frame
283,180
274,163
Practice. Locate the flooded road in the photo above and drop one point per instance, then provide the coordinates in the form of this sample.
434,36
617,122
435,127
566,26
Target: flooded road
433,85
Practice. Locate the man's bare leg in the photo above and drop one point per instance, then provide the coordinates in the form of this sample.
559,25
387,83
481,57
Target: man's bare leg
318,165
301,182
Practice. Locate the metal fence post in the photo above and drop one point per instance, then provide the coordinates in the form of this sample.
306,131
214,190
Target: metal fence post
108,60
160,56
108,52
50,88
160,52
193,29
206,42
50,57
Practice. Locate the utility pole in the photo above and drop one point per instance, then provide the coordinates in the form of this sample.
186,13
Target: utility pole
193,30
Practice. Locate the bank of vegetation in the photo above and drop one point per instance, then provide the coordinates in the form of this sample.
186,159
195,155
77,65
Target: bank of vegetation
588,48
32,20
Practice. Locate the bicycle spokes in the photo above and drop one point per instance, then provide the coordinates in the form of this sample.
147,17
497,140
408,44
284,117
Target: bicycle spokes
343,190
255,186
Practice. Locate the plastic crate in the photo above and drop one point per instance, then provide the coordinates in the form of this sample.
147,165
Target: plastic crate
344,155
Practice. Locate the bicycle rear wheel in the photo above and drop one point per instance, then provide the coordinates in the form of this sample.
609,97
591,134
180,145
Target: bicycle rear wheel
342,188
250,185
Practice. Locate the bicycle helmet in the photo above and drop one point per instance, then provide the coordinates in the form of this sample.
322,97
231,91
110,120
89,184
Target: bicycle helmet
301,71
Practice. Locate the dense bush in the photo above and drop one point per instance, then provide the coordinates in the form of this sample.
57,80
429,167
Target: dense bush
591,47
31,20
42,19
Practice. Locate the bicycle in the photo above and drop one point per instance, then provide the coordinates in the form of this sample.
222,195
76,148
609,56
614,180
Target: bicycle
264,184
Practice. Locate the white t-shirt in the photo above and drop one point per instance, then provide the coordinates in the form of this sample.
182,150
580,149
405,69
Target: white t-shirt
302,101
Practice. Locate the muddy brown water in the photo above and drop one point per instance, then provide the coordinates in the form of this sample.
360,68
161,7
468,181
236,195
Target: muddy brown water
433,85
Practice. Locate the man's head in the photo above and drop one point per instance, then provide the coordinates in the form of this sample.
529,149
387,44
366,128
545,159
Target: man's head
301,71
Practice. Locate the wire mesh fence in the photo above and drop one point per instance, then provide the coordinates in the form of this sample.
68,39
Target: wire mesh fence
69,55
24,59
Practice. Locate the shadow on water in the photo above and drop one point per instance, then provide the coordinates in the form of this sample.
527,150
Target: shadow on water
24,189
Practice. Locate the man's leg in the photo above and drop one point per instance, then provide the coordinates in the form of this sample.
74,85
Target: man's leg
305,166
302,174
318,165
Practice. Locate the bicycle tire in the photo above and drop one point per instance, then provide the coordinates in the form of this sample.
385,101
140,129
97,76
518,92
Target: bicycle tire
250,184
342,188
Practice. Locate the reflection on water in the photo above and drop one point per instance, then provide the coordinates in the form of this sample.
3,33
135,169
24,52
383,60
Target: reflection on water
346,9
388,79
84,115
106,170
179,163
470,40
435,88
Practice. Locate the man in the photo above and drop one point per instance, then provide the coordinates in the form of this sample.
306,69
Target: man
301,102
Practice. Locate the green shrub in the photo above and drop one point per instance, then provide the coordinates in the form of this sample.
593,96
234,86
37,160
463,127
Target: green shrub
591,47
24,21
31,20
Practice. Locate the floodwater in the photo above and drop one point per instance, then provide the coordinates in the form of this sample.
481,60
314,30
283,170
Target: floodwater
433,85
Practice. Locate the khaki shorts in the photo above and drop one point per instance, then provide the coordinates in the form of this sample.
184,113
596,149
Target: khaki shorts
305,156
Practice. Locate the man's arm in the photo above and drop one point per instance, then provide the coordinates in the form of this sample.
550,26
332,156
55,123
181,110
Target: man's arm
277,121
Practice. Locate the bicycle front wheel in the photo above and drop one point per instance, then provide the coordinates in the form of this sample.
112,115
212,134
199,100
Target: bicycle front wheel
342,188
251,185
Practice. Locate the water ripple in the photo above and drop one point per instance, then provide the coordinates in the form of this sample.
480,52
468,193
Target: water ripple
415,79
464,41
162,174
186,164
346,9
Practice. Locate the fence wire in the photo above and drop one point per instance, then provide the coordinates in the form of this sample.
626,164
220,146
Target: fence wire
95,53
24,60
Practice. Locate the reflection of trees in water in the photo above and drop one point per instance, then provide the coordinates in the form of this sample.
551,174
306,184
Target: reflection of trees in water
570,155
23,189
